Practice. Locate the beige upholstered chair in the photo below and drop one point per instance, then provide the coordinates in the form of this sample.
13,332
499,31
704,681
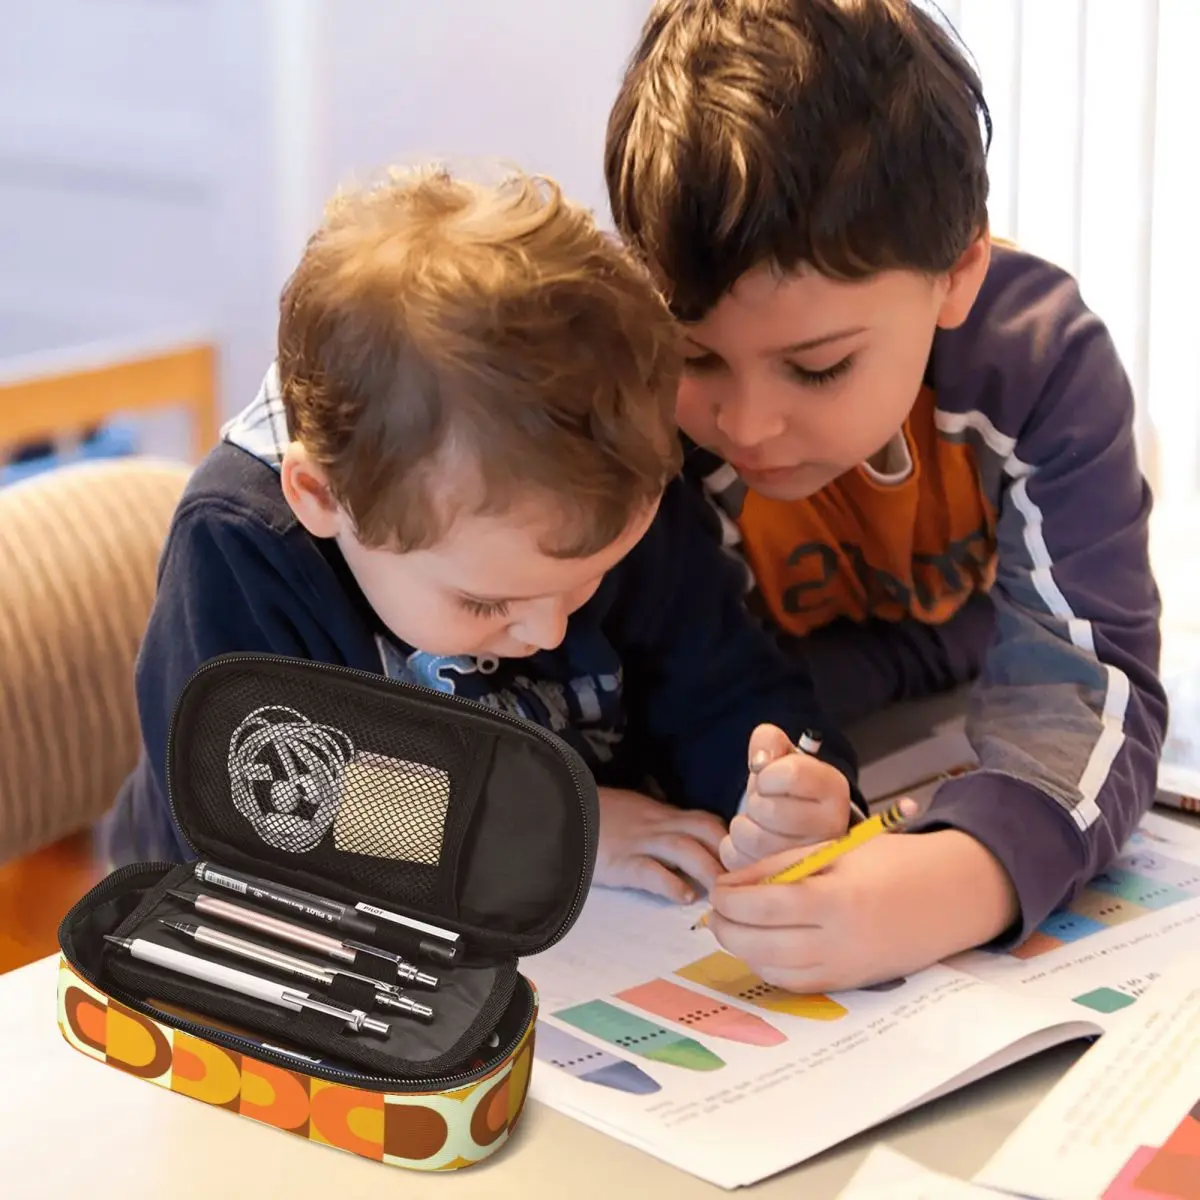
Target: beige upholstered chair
79,550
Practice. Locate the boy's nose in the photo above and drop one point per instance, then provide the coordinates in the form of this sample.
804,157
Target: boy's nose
746,422
543,624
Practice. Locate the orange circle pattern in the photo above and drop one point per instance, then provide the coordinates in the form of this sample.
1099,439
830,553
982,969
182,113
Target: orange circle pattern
452,1129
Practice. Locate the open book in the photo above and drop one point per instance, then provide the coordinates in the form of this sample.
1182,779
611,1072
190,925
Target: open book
651,1033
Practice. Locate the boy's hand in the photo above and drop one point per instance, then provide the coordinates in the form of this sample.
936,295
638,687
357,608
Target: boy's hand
897,904
792,799
656,847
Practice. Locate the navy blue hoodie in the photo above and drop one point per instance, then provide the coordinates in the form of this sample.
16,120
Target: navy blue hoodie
662,674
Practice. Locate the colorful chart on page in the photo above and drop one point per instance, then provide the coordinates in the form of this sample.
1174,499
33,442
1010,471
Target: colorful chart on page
589,1063
639,1036
1106,1000
1167,1172
1141,882
662,998
730,976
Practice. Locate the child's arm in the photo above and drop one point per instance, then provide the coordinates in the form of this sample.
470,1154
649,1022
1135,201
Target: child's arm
700,673
1068,715
889,908
224,584
859,668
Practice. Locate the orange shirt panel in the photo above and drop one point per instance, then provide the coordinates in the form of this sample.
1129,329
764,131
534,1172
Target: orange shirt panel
860,548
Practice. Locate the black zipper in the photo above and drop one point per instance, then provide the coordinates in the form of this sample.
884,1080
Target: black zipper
425,695
256,1049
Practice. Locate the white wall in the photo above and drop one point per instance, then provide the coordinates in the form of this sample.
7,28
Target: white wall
106,180
161,161
530,81
126,128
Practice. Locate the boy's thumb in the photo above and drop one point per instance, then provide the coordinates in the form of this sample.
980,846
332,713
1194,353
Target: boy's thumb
767,743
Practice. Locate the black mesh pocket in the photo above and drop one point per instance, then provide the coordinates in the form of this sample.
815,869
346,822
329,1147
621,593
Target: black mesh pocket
278,765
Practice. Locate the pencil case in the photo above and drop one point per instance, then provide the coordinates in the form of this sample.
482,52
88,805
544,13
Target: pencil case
402,804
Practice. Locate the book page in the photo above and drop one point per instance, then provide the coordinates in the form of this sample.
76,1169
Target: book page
1111,942
650,1032
1124,1122
887,1175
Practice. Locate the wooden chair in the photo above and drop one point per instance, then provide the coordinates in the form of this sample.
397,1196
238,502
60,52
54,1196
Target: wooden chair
50,394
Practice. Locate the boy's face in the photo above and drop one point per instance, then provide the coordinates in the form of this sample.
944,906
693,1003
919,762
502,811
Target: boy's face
795,379
485,589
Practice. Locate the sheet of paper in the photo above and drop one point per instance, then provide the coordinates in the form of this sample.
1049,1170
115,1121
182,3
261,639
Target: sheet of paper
1124,1122
1110,944
887,1175
650,1032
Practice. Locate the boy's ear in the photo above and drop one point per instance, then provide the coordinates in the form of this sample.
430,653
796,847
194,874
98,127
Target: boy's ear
306,489
965,279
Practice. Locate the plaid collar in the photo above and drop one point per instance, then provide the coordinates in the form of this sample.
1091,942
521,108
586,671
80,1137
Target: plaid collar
261,428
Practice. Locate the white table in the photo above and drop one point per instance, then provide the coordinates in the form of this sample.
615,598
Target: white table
70,1126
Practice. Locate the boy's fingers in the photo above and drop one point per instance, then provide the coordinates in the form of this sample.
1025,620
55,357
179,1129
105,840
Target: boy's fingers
648,875
772,906
757,871
767,743
798,818
752,842
762,949
731,858
704,827
686,855
801,775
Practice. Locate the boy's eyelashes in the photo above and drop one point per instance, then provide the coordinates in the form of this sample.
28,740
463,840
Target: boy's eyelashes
702,364
826,375
484,608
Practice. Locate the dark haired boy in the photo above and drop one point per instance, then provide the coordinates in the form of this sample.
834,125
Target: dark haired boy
922,440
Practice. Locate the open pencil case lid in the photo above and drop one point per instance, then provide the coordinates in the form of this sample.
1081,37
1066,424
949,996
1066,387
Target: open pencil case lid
360,789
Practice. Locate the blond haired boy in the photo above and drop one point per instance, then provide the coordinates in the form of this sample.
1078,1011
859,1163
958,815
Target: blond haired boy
461,472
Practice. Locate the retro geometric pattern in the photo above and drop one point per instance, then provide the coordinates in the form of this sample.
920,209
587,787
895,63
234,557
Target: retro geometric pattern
421,1131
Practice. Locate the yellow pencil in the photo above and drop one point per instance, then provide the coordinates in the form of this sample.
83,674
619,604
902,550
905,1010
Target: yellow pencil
884,822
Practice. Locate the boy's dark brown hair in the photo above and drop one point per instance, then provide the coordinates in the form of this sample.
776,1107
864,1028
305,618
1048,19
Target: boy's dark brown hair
850,135
446,346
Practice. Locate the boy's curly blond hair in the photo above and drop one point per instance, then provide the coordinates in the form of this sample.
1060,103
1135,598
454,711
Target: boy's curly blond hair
446,346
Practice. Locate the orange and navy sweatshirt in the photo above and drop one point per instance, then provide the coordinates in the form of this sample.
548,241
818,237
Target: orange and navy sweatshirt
1016,476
